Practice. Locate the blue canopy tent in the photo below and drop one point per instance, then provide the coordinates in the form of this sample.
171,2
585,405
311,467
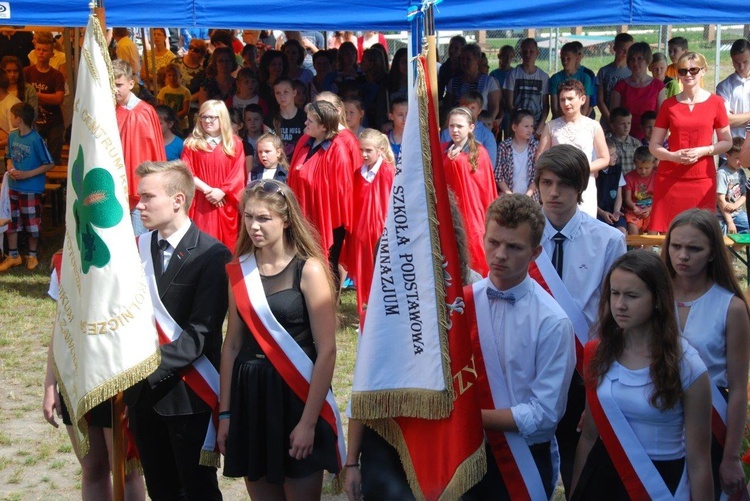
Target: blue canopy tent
369,14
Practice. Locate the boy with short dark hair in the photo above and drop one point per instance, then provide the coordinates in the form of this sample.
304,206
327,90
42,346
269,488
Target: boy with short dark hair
527,86
27,161
648,120
639,191
140,134
731,192
620,121
578,252
676,47
571,70
523,342
609,185
612,73
734,89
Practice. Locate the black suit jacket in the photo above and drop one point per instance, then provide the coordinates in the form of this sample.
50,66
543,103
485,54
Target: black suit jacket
193,289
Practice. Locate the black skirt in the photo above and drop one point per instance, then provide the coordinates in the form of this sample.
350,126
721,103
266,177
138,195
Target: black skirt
100,416
599,478
264,411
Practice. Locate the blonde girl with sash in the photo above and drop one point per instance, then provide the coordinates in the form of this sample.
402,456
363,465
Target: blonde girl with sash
647,420
278,424
712,314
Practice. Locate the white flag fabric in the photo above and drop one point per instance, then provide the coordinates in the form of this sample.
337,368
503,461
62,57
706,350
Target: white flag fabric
105,338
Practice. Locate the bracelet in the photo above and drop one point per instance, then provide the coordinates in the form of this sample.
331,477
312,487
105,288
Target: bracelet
711,150
352,465
225,415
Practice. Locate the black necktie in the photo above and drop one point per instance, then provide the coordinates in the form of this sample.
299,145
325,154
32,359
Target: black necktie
163,245
557,255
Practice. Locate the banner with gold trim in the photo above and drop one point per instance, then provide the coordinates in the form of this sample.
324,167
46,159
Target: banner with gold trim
105,338
414,379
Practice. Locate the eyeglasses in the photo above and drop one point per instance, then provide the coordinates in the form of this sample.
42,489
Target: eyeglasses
266,186
209,118
684,71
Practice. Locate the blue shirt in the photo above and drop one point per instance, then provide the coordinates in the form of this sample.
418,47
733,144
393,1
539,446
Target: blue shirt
580,75
174,149
28,152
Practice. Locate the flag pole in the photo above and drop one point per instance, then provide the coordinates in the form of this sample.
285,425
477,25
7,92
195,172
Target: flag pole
118,433
429,31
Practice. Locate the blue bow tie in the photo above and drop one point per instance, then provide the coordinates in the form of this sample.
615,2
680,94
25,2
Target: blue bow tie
495,295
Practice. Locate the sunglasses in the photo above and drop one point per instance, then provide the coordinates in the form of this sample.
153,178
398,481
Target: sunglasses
684,71
266,186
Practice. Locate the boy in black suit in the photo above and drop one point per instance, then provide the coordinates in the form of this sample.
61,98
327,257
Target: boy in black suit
169,414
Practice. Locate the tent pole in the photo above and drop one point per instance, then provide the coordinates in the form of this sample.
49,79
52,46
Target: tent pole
717,63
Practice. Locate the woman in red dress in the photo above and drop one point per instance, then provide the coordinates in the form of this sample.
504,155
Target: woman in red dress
686,177
469,174
372,187
216,158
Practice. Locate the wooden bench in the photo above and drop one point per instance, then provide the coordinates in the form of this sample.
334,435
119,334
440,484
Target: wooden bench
738,250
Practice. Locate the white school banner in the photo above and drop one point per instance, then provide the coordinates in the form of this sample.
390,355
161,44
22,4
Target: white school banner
105,338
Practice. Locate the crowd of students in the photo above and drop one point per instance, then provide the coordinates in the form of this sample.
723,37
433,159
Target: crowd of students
294,175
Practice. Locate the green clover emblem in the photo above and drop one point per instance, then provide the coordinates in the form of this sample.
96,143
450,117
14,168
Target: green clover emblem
95,205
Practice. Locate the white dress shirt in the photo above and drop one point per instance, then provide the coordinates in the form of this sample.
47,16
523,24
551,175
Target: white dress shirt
589,250
173,240
735,91
369,174
534,340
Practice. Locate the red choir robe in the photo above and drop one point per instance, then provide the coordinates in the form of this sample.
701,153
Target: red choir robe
474,192
322,185
370,207
228,174
140,134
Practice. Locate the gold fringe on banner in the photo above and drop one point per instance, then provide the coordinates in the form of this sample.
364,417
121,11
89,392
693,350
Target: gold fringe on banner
211,459
415,402
468,474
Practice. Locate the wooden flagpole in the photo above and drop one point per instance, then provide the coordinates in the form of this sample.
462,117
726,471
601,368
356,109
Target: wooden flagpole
429,31
118,408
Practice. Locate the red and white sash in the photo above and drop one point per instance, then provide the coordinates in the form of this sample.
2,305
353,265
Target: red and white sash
287,357
202,377
636,470
545,274
512,454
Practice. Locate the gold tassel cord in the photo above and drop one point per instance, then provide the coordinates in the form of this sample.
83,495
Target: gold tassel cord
437,254
210,458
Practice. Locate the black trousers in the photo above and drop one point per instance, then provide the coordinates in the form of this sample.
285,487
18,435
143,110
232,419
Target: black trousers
567,434
169,447
492,487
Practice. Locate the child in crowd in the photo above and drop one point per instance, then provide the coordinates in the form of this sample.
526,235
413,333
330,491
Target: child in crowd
473,101
639,191
397,115
579,67
253,115
527,86
676,47
731,192
289,121
571,70
247,92
734,88
371,189
170,132
300,96
516,157
27,160
612,73
620,121
609,185
355,112
273,162
485,118
648,119
175,95
238,122
7,100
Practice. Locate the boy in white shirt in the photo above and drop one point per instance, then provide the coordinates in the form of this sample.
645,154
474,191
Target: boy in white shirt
524,344
578,252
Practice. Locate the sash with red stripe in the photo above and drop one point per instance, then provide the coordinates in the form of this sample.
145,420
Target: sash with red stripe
636,470
287,357
512,454
545,275
201,376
